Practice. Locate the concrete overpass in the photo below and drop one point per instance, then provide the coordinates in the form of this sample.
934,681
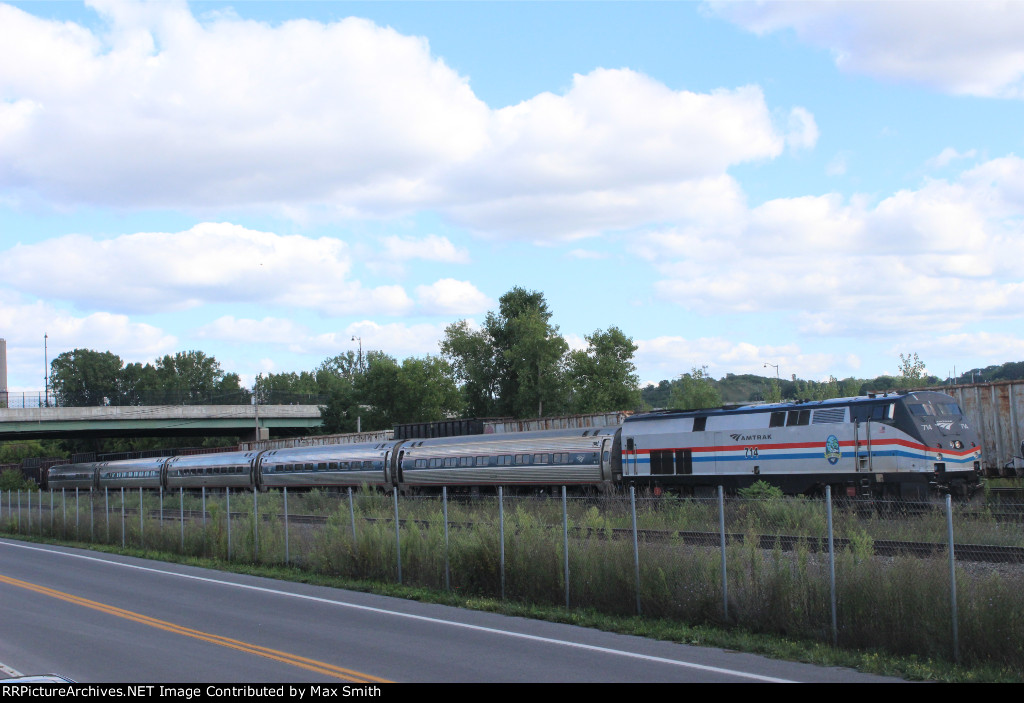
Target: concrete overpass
246,421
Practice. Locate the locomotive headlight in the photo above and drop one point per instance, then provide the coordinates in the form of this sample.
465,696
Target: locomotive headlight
957,444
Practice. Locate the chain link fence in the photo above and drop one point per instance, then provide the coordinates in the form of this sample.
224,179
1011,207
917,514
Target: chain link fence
937,580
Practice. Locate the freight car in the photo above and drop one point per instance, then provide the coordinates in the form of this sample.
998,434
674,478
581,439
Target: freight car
907,445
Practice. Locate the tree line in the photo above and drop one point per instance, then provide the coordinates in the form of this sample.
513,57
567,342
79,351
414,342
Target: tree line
516,364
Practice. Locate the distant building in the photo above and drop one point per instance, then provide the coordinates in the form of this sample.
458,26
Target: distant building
3,373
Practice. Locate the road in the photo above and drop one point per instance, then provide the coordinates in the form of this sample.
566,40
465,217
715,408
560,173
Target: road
106,618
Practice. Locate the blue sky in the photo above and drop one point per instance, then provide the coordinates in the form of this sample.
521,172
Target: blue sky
821,186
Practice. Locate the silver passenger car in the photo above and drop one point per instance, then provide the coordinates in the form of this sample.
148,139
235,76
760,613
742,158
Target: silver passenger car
64,476
552,458
328,465
131,473
223,469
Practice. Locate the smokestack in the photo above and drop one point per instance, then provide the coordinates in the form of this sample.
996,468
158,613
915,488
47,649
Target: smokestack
3,373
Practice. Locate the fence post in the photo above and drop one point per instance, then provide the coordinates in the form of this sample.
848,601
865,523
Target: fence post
286,525
721,537
565,543
501,533
636,547
142,533
92,516
124,520
106,509
831,564
29,511
63,514
255,526
352,514
78,512
181,515
952,579
398,541
19,511
447,571
227,512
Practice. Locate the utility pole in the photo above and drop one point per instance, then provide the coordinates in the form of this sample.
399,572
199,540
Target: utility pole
46,369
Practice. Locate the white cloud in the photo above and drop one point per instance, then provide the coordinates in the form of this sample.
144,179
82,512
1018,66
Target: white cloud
429,248
968,48
451,297
25,322
269,330
947,155
209,263
672,356
931,259
160,109
837,165
397,339
803,130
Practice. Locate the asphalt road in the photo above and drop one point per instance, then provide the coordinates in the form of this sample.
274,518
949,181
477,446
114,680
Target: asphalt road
102,618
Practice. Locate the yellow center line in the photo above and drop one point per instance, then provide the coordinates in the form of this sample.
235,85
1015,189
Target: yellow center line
276,655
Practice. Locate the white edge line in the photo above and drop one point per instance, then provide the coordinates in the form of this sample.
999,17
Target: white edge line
421,618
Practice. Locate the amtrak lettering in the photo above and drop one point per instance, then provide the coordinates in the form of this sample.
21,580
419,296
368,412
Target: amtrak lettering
749,437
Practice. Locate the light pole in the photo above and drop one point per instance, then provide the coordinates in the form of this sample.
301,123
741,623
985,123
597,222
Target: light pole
360,340
46,370
776,367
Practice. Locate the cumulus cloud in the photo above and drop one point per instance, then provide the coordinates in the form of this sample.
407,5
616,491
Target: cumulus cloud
209,263
157,108
803,130
397,339
161,109
934,258
963,48
429,248
269,330
948,155
24,322
451,297
674,355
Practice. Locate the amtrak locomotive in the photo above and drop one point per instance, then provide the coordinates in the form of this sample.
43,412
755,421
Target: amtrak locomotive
906,445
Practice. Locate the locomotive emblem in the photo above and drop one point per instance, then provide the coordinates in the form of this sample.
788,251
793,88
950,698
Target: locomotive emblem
832,452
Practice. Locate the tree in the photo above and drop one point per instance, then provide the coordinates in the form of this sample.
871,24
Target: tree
195,377
84,377
772,392
284,388
695,390
136,384
603,378
514,365
341,412
470,355
912,371
534,379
